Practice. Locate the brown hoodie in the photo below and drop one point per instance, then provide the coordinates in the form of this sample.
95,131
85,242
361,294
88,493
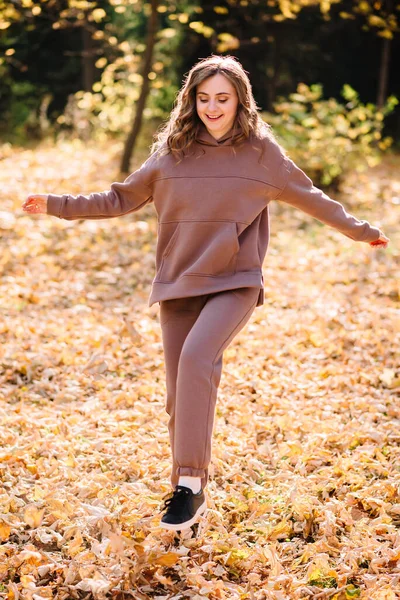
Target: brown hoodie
213,212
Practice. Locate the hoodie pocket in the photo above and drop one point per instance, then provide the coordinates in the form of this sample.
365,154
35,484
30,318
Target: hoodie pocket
205,248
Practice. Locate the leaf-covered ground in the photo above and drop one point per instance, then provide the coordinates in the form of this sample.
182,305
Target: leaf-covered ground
305,475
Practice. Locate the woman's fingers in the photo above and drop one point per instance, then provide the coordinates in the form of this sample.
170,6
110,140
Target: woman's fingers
381,241
30,202
35,203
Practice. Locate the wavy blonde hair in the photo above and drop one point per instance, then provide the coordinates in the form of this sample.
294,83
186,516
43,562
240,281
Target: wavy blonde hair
179,133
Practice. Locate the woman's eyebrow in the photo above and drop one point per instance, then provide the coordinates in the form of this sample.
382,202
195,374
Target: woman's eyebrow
219,93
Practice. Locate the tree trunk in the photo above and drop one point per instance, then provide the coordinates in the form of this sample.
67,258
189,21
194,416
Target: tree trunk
141,103
272,81
87,58
384,66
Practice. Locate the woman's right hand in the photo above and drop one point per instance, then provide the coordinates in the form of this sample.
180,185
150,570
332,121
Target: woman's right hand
36,203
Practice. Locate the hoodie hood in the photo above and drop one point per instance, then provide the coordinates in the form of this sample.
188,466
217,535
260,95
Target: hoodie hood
204,137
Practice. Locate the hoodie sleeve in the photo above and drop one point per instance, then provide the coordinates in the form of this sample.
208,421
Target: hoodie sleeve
300,192
121,199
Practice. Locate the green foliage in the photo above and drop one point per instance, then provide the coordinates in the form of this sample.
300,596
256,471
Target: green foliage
25,100
323,581
352,591
109,107
327,138
41,44
22,114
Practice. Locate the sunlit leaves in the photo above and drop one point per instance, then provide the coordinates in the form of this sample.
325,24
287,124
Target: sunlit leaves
167,32
221,10
97,15
201,28
306,121
227,42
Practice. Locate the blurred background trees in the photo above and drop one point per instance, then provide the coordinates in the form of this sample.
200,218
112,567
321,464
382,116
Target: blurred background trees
103,68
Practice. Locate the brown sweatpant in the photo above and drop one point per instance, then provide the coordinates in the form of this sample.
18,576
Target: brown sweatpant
195,333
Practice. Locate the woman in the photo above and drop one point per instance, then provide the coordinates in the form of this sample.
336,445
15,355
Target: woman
212,172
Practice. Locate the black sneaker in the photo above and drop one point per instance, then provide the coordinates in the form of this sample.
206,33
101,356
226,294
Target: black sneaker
183,508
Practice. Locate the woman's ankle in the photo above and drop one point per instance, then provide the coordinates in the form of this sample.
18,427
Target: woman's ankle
193,483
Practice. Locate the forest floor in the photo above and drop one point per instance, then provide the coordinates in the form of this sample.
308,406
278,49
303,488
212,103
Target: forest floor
304,490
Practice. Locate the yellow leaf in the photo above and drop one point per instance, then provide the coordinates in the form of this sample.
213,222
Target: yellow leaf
33,516
98,14
316,340
395,383
221,10
386,33
387,377
129,330
59,509
101,63
376,21
76,546
168,560
201,28
280,531
5,531
28,581
39,493
30,557
70,462
236,556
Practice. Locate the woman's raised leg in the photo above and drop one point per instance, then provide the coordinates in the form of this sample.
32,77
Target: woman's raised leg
192,399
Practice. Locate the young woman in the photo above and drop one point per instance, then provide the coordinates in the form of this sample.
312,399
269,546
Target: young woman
213,170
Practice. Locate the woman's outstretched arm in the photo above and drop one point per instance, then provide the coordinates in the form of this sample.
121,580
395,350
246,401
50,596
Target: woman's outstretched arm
300,192
121,199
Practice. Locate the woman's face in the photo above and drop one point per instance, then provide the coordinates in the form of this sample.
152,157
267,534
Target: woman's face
217,97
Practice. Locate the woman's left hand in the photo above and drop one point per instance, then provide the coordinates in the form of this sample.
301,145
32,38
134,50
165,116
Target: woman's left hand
381,241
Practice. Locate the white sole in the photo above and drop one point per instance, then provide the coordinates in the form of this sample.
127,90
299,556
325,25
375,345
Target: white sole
187,524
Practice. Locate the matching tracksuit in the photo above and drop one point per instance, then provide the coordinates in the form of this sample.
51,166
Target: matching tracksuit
213,235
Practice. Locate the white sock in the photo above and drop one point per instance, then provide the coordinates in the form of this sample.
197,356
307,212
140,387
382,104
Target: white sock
193,483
